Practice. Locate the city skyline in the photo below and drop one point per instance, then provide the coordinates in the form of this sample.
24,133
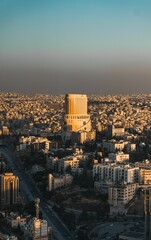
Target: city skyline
75,154
79,47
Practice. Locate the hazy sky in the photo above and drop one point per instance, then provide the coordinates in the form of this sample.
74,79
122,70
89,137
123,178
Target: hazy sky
89,46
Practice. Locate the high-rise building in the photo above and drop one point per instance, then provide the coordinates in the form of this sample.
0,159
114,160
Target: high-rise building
147,209
9,190
76,119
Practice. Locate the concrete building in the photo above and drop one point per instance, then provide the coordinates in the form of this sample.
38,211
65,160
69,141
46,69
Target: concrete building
58,182
116,130
128,174
119,196
76,117
113,145
118,157
145,176
115,173
71,161
34,143
106,172
9,190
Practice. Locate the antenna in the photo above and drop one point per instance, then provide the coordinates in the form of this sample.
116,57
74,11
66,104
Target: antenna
37,201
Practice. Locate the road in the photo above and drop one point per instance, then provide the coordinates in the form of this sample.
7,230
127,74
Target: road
29,192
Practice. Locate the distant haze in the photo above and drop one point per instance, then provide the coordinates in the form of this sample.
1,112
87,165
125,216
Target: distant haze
80,46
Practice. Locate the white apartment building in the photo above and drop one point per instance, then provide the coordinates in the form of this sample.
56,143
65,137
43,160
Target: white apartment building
106,172
128,174
115,173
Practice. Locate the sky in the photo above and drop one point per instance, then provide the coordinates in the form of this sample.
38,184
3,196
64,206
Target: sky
75,46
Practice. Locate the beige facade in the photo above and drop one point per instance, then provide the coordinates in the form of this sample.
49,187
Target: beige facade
145,176
76,117
118,157
76,104
63,163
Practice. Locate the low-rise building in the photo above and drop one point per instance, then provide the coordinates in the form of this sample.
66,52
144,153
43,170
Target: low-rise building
118,157
58,182
146,164
18,221
72,161
113,145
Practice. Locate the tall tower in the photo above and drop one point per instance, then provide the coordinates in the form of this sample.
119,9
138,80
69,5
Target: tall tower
39,227
147,209
9,190
76,118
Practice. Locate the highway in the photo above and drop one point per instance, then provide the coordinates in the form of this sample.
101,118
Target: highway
29,192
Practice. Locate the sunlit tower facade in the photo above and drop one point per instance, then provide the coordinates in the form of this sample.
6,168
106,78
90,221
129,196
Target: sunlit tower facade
9,190
76,117
147,210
